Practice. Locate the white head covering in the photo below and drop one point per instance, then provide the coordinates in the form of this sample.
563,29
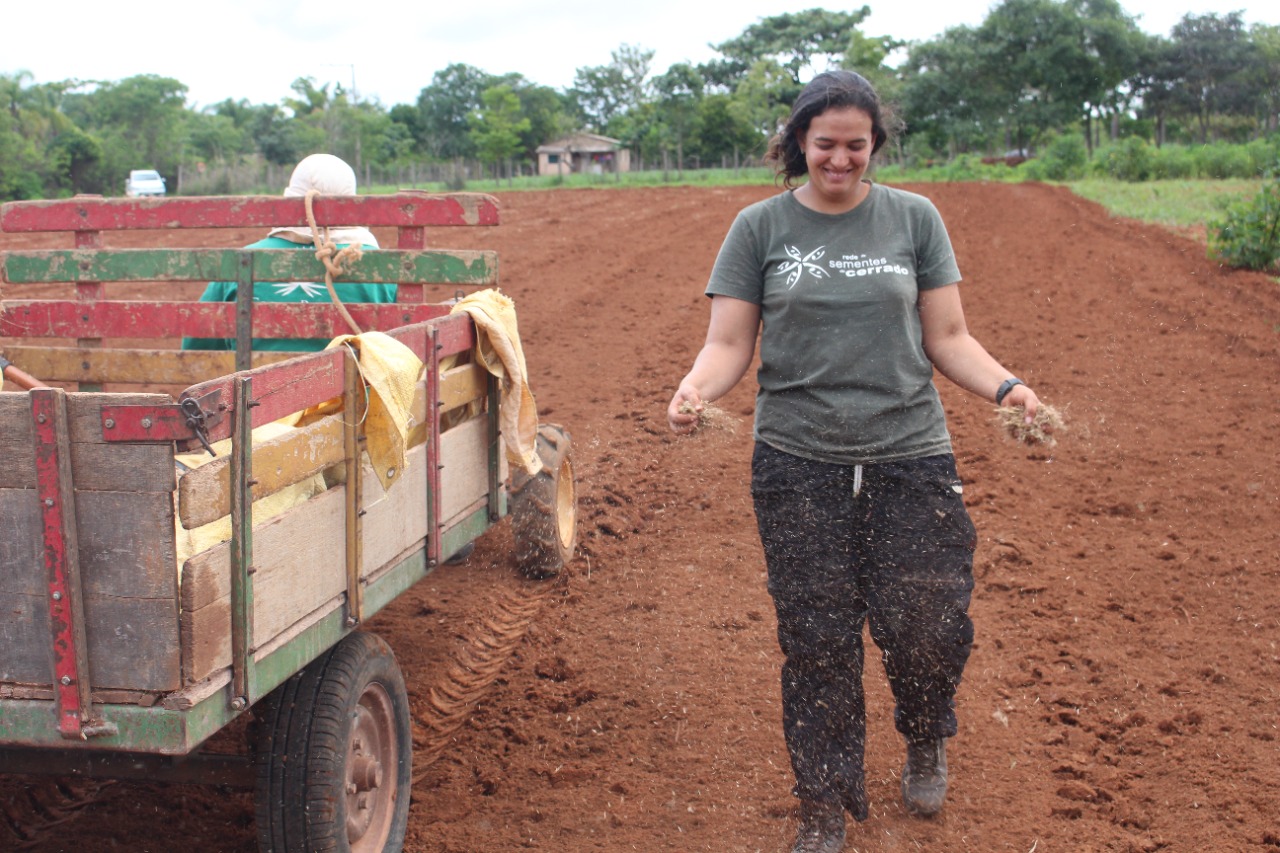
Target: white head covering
328,175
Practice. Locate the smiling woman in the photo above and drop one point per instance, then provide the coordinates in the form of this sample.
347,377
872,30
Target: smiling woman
851,289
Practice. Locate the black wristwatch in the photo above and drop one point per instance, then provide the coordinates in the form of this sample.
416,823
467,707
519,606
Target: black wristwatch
1005,387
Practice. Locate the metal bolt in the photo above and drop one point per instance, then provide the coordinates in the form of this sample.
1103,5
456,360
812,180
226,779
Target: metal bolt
391,472
41,418
351,621
109,423
48,501
65,680
57,596
146,423
238,703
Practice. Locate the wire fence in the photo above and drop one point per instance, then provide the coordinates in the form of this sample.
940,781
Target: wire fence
261,177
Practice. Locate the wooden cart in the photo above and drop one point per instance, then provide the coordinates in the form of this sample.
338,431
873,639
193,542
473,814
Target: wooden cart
120,653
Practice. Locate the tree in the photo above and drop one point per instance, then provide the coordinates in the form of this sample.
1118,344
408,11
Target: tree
949,95
215,138
604,93
140,121
497,125
548,111
725,130
19,160
1215,56
1265,76
795,40
1110,50
679,91
73,157
444,109
764,96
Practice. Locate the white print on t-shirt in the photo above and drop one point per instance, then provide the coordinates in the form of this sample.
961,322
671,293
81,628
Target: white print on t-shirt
850,266
802,263
308,288
856,265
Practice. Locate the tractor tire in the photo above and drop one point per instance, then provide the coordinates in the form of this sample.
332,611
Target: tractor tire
544,507
334,754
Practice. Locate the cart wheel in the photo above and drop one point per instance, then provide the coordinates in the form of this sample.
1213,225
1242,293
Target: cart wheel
544,507
334,754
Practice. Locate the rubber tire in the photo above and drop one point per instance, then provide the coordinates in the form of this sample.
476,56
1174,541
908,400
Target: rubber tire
544,507
305,753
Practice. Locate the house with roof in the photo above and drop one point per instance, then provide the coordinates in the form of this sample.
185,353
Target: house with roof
583,154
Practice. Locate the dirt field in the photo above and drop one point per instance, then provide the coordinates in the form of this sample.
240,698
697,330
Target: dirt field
1122,694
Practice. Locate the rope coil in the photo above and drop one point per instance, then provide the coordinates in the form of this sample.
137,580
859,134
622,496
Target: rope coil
336,261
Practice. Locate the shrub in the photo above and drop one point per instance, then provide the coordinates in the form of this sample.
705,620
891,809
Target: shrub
1174,163
1248,235
1128,160
1065,158
1220,161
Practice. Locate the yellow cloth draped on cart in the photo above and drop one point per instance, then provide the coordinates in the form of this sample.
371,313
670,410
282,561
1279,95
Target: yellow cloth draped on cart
391,371
498,350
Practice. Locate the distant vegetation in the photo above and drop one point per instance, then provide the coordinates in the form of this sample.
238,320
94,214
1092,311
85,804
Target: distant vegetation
1075,82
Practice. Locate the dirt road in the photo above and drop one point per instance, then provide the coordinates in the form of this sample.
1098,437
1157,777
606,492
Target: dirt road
1122,695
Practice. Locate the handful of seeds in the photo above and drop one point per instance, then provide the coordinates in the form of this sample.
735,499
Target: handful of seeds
1040,432
711,416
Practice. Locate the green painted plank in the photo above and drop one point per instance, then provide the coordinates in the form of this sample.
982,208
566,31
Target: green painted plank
380,266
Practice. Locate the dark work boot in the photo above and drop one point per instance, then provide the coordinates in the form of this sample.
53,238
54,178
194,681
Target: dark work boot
924,778
821,828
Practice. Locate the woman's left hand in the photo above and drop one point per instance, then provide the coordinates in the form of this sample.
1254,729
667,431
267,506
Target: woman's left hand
1022,395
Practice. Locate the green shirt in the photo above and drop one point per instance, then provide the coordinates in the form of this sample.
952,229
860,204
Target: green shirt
843,373
287,291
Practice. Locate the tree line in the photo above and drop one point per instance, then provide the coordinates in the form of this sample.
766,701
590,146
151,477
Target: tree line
1033,70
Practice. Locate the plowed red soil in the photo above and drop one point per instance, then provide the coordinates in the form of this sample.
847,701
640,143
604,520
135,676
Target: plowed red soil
1123,691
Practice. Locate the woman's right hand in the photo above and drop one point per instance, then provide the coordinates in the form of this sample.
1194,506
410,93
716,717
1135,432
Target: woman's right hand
685,409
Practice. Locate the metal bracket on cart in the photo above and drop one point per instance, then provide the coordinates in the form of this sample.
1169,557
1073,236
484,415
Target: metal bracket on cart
189,420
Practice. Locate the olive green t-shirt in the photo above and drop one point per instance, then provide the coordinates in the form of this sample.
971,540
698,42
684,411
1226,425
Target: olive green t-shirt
843,373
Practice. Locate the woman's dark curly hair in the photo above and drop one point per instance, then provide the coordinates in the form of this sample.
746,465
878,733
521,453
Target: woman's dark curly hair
830,89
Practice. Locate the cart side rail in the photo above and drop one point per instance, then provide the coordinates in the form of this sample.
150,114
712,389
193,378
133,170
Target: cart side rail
405,209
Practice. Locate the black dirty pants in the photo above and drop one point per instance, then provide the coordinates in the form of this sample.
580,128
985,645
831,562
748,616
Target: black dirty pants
890,545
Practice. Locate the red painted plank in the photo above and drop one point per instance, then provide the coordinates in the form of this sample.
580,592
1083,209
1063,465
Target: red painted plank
402,210
279,389
64,319
48,410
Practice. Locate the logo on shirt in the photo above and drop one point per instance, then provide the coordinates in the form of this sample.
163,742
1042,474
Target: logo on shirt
801,264
288,288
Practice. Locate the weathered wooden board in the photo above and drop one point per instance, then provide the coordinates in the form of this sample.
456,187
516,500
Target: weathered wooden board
298,556
128,580
133,642
130,366
204,494
436,266
403,209
96,465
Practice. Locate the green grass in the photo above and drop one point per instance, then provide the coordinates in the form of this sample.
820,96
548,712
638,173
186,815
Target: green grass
1183,204
691,177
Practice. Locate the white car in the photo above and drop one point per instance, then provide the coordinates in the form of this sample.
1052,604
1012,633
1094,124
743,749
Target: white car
144,182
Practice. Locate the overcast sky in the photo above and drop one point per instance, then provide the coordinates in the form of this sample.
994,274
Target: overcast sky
255,49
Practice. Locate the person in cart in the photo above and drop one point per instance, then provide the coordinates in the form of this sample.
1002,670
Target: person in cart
327,175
